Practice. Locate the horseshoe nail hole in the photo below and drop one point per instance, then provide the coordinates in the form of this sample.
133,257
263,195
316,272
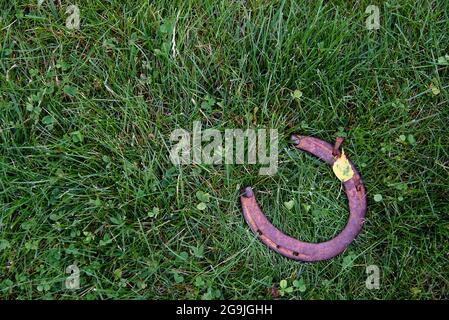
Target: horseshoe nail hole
259,232
295,253
278,246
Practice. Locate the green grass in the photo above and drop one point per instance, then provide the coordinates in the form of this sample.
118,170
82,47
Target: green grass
85,164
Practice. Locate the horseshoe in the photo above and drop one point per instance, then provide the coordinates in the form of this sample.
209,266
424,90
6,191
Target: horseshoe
305,251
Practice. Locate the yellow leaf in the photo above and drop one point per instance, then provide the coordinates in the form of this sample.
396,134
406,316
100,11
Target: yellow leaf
435,89
342,168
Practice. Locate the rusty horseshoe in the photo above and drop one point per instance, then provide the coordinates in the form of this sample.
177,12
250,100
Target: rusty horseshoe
305,251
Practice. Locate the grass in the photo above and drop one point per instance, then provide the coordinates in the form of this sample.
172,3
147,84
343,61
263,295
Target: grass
85,123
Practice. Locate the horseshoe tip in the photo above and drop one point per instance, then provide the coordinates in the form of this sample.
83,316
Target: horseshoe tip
295,139
248,192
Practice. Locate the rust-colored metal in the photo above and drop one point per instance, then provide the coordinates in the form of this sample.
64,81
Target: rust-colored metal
305,251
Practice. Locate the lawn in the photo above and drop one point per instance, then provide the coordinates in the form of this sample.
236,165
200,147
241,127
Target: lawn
85,121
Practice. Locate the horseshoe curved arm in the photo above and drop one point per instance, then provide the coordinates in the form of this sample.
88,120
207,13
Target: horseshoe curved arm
305,251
